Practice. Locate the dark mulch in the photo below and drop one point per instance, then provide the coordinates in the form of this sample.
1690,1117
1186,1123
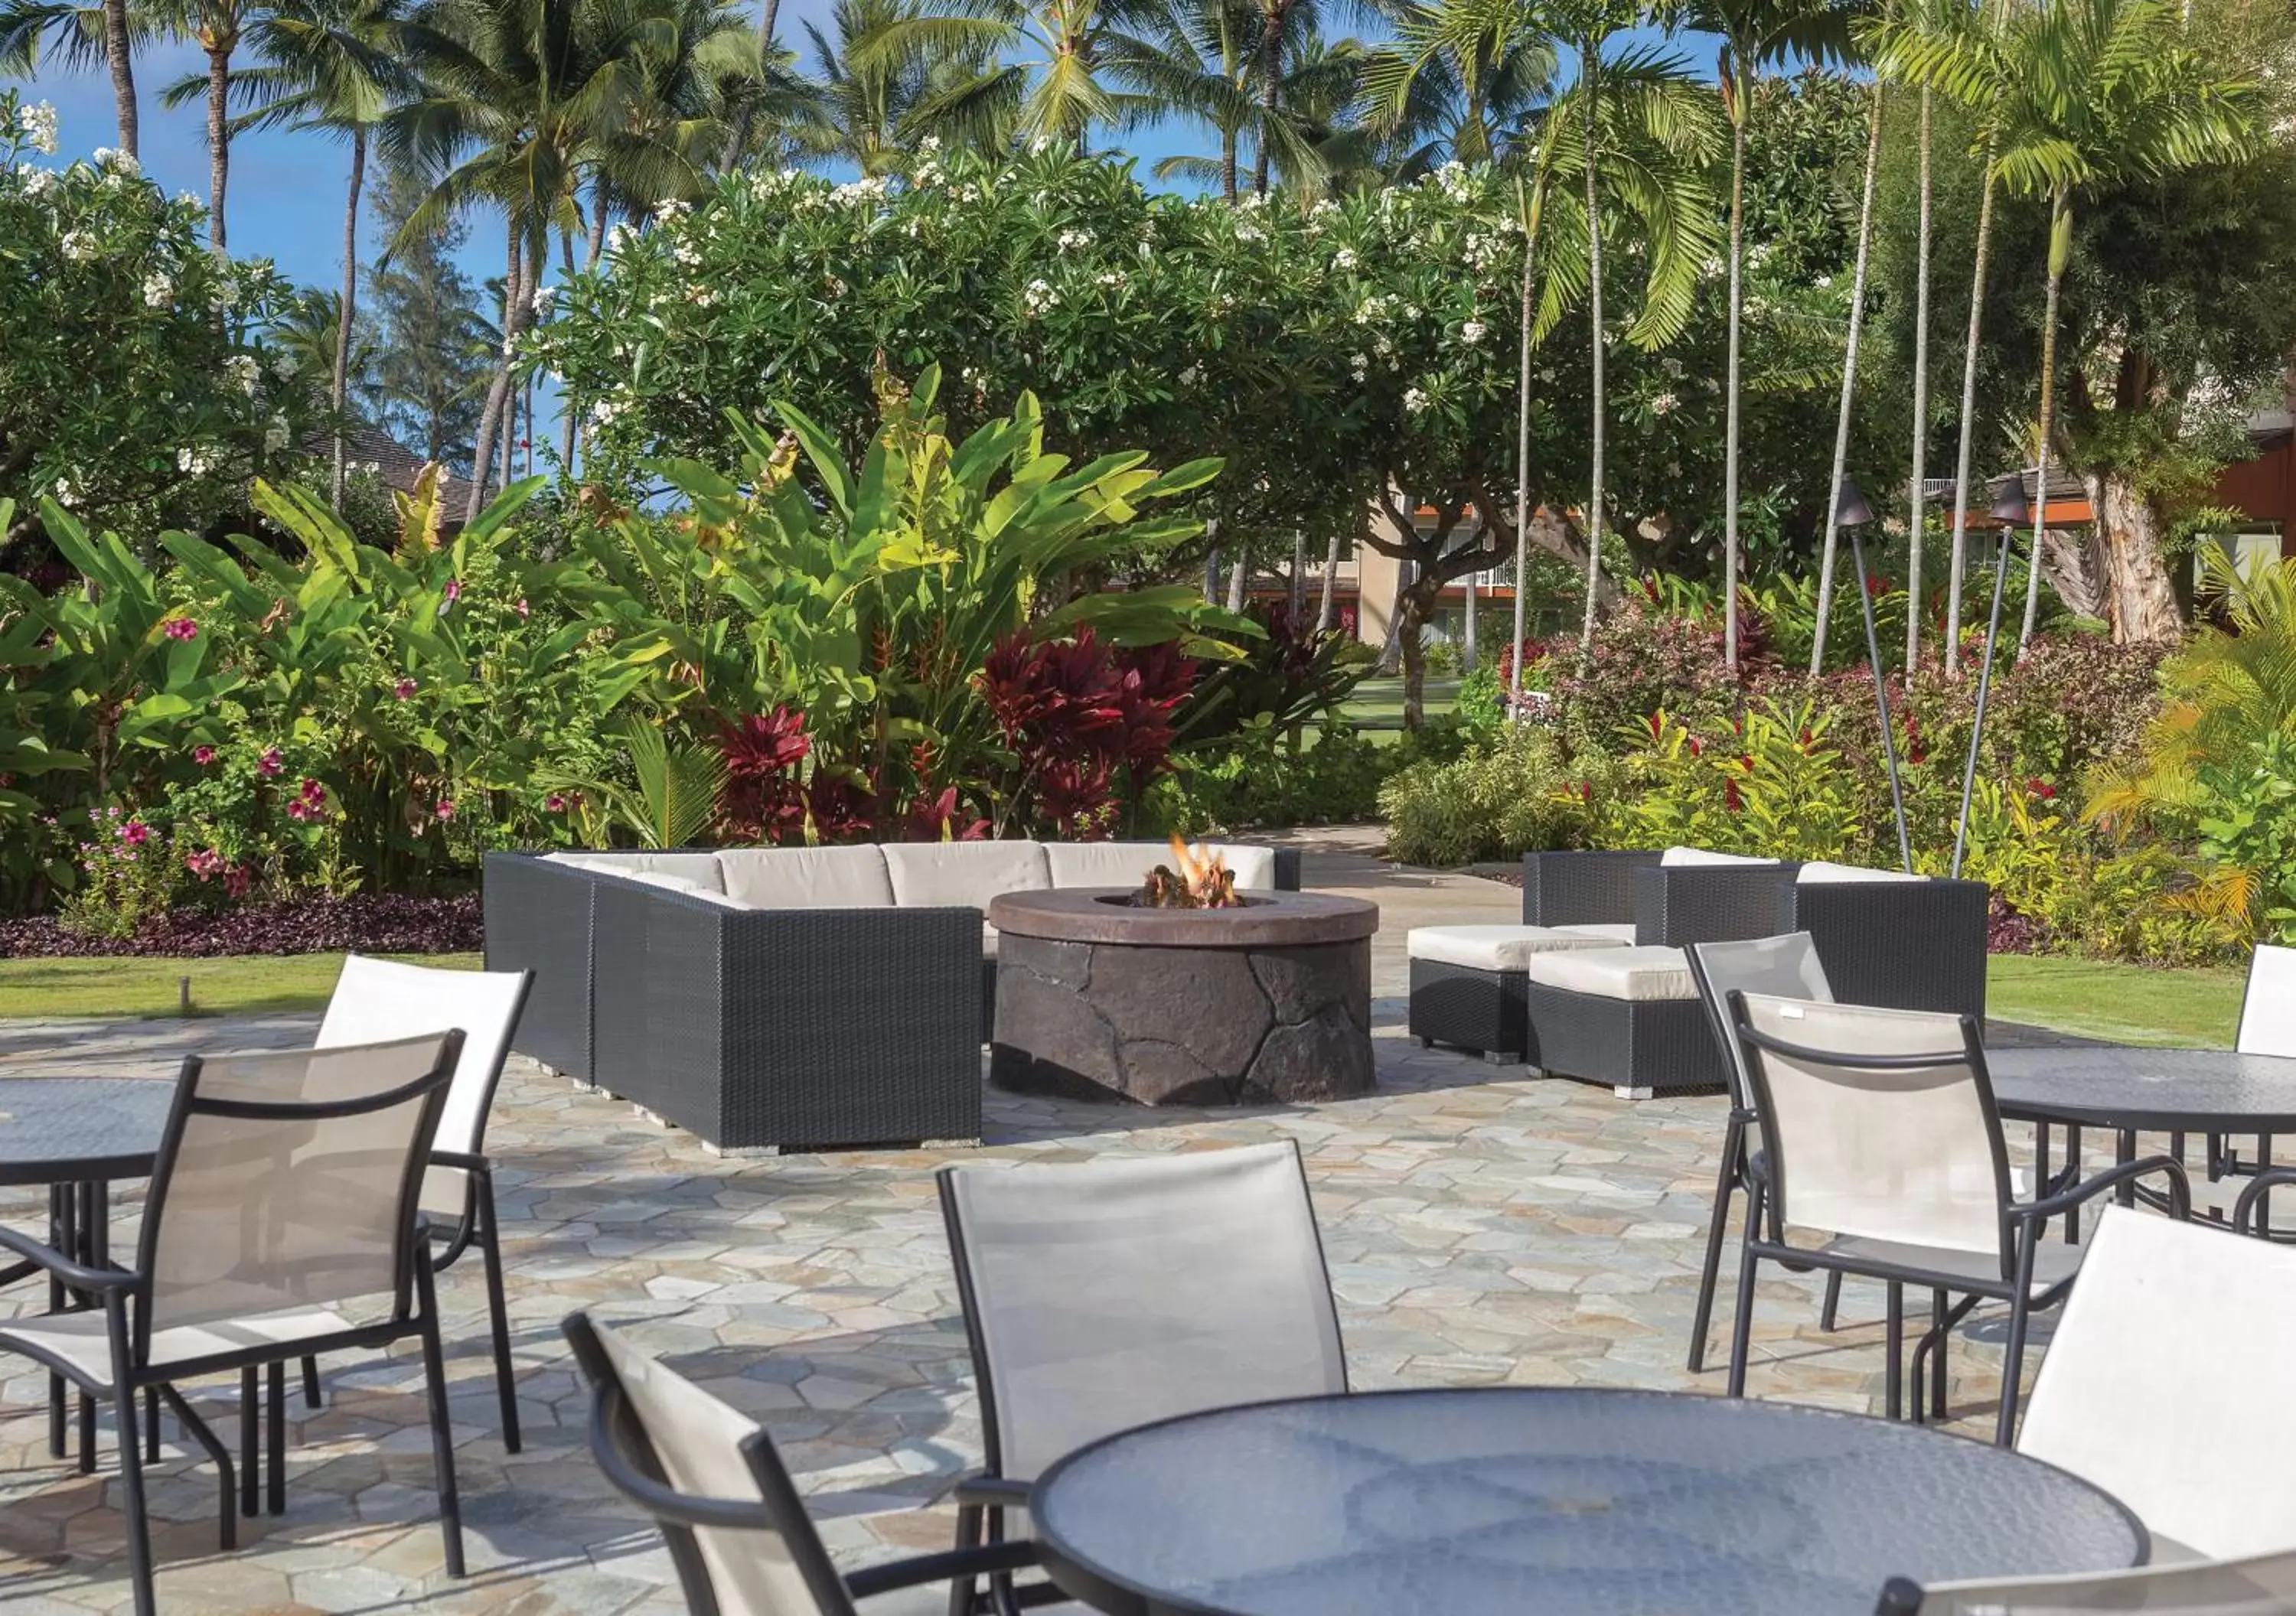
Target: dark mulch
392,925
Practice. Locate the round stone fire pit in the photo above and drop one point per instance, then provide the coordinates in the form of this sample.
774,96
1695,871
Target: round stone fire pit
1270,1001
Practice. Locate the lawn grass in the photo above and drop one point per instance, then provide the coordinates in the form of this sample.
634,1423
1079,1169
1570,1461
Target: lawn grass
1375,707
247,985
2131,1004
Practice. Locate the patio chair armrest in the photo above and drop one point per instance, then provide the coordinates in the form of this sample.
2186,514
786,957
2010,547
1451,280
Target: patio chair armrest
2180,1197
2244,1209
1581,888
943,1567
49,1260
990,1493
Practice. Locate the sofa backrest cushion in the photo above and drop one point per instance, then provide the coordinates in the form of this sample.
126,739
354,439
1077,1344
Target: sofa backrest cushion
807,877
1127,863
679,884
1699,855
699,868
941,875
1819,873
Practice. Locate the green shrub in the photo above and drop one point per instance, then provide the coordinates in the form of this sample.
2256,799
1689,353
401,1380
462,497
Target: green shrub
1515,795
1482,706
1265,779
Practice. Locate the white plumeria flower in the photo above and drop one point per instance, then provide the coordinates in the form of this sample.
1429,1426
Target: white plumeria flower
1345,258
1415,401
37,181
159,290
1665,403
1073,241
276,434
284,364
929,144
78,246
1471,332
36,122
670,211
64,493
244,371
192,462
1188,377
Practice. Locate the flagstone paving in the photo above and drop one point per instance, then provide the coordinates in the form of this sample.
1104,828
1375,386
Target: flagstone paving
1482,1227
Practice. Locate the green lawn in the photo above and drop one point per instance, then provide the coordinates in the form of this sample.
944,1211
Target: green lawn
1376,705
2126,1003
252,984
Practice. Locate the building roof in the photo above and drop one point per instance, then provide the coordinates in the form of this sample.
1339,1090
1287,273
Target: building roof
367,444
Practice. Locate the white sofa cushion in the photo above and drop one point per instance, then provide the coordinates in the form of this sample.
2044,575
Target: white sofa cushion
699,868
1494,948
1819,873
1609,931
807,877
1699,855
1127,863
1640,974
962,874
679,884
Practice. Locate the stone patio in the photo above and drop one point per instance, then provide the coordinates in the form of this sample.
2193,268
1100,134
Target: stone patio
1481,1228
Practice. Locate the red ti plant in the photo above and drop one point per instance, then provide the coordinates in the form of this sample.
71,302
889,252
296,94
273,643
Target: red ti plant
764,799
1086,725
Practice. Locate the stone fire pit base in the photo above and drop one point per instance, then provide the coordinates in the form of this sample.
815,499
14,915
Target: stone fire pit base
1220,1018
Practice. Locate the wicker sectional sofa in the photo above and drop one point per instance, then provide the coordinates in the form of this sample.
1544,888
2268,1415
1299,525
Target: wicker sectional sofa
797,996
1593,984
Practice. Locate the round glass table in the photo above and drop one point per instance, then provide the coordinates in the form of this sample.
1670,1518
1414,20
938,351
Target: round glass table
1559,1501
2155,1091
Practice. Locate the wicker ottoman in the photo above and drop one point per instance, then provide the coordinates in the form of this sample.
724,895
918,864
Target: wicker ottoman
1626,1017
1467,981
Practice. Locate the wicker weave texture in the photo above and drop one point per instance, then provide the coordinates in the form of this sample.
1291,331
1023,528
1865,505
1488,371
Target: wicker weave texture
1656,1044
1678,904
538,918
1467,1008
1581,888
1907,945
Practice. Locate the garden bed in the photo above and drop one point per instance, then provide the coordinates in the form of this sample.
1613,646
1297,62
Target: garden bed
388,925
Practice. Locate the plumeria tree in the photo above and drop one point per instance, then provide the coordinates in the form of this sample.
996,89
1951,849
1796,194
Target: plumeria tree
138,384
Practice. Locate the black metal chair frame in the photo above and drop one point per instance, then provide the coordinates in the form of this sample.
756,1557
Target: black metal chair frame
626,1457
983,1497
125,1296
2024,1225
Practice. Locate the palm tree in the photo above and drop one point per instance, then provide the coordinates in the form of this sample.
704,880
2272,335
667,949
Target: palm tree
1848,387
1755,34
523,102
1194,59
1487,62
1041,73
2073,96
78,36
330,65
219,28
866,101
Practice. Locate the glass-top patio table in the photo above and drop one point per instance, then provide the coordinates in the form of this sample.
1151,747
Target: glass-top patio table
1554,1500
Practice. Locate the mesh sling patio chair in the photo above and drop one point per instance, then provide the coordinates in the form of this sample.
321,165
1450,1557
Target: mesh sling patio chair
281,1222
2267,1026
2262,1585
1105,1294
2186,1326
738,1534
1881,1134
379,999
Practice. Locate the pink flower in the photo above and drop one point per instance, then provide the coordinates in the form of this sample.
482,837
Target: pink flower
237,879
180,628
454,588
404,689
136,833
206,863
553,803
520,607
446,810
298,809
203,755
270,763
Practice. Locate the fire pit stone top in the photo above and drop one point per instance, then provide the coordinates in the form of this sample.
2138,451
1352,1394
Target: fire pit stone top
1107,915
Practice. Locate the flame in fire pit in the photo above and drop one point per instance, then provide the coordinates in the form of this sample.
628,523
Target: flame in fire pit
1203,881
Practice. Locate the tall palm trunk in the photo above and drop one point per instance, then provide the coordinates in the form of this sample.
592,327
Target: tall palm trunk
1298,600
1590,67
498,390
118,57
1740,112
1968,424
2060,244
1915,519
1325,601
349,309
1849,384
1271,69
219,44
1531,219
1239,575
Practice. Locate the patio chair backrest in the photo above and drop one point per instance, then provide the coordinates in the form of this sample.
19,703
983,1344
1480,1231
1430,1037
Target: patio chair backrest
1787,967
737,1530
2166,1383
2267,1010
288,1180
1105,1294
2264,1585
1879,1124
380,998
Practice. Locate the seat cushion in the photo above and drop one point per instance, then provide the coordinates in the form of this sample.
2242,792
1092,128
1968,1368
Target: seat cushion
944,875
1608,931
1819,873
699,868
807,877
1495,948
1127,863
1699,855
1637,974
80,1339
